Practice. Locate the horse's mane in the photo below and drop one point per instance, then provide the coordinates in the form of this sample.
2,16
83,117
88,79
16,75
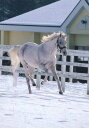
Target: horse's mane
52,36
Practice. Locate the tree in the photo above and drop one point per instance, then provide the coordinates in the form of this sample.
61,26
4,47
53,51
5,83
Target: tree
11,8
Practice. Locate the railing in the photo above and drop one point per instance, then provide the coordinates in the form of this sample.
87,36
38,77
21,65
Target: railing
75,66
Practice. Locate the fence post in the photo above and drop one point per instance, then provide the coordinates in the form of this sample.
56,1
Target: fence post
88,80
50,78
63,70
71,67
1,54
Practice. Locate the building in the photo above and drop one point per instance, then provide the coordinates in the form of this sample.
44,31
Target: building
70,16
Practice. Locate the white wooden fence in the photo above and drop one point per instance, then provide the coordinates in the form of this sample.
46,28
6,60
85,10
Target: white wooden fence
68,67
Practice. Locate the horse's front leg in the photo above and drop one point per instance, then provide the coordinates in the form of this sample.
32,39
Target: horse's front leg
57,79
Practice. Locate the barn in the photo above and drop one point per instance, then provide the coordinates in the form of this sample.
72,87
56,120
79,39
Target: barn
64,15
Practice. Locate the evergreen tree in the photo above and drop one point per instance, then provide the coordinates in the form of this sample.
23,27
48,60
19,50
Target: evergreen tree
11,8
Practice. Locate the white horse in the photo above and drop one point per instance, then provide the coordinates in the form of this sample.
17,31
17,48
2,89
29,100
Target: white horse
42,56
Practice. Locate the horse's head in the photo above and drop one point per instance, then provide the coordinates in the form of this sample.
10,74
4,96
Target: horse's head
62,43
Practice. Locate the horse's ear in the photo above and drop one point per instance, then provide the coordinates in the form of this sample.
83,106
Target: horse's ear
60,34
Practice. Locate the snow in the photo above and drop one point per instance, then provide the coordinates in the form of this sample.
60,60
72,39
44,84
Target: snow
44,108
50,15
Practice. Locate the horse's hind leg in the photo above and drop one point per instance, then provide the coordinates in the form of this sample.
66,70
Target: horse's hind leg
46,74
30,71
15,76
25,66
33,82
44,80
28,80
28,83
46,77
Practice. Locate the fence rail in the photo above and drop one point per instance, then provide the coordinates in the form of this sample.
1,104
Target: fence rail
74,66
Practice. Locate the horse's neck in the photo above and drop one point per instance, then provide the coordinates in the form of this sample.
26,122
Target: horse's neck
51,46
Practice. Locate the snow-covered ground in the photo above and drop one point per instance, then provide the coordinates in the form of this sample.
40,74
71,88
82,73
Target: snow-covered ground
44,108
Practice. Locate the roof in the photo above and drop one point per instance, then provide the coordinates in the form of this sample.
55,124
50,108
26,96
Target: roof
54,17
51,15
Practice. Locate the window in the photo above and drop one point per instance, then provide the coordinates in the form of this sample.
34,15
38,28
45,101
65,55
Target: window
82,59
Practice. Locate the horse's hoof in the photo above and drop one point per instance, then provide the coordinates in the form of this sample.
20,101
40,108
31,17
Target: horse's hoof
34,84
61,93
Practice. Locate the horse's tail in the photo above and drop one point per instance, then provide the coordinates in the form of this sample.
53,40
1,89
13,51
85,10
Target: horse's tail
15,61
